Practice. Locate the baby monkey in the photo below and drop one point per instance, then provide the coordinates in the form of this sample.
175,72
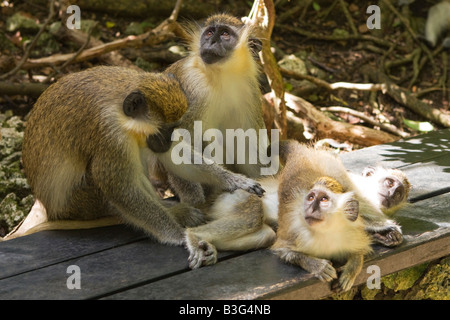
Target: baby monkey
319,216
319,225
386,188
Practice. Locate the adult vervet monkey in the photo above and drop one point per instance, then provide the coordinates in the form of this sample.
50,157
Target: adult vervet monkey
220,80
86,154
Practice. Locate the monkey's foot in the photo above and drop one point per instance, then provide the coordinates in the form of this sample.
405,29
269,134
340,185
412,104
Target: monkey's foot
390,237
201,252
239,181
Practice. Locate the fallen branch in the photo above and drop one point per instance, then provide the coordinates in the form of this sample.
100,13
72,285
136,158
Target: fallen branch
163,32
25,89
333,86
312,35
407,99
384,126
328,128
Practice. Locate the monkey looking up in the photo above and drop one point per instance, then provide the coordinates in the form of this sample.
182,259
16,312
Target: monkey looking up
319,225
318,213
236,219
86,155
220,79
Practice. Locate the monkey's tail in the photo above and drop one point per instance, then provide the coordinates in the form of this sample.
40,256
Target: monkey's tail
65,225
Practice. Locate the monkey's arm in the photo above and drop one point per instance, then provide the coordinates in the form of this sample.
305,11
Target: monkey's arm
195,167
321,268
383,230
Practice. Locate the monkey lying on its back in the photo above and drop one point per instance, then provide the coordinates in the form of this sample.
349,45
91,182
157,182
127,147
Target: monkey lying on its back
319,215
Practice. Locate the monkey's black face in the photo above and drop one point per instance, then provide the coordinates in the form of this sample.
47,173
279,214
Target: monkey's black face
162,141
217,43
391,192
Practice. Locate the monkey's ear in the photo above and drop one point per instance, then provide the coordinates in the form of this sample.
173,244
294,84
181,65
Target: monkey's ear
255,45
368,171
351,209
135,105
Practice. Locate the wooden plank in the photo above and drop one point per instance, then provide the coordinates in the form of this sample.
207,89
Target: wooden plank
49,247
425,216
104,272
260,274
114,261
422,148
432,246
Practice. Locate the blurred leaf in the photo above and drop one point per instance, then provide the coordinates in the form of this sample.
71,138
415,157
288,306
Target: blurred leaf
316,6
419,126
110,24
288,86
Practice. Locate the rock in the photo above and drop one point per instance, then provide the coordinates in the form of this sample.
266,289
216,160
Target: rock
293,63
20,21
15,194
404,279
435,285
134,28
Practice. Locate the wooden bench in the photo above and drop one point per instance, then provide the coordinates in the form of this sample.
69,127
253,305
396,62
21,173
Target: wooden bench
119,263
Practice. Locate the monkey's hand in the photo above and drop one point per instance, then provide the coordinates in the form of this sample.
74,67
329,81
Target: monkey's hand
239,181
201,252
390,236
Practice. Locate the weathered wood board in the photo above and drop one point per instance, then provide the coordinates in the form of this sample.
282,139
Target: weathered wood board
120,263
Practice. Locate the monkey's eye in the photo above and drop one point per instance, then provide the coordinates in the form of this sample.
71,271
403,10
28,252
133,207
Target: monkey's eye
209,34
225,35
368,171
324,199
389,182
310,197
